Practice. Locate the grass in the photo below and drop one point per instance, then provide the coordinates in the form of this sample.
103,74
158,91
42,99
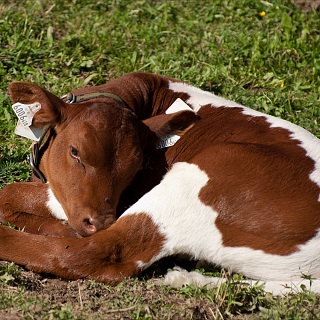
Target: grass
33,296
263,54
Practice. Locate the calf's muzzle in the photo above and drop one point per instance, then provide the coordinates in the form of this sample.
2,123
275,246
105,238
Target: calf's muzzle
89,224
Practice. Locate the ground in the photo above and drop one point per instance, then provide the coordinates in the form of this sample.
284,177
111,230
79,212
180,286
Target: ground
45,297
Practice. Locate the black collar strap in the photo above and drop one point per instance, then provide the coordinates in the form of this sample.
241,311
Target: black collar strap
34,157
72,98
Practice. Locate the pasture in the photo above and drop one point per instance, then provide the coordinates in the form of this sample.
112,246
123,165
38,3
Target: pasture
262,54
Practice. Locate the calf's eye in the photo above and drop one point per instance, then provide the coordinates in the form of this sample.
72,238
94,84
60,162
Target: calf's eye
74,153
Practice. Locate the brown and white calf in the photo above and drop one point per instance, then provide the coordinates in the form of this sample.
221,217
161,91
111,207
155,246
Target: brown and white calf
239,189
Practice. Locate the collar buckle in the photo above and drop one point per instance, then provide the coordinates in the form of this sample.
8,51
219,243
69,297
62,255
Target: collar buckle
70,97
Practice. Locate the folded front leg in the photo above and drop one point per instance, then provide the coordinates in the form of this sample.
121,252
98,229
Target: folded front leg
23,204
108,256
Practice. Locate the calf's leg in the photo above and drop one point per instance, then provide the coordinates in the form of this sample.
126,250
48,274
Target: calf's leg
23,204
107,256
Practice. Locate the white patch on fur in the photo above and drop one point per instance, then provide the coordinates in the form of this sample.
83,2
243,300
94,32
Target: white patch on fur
55,206
179,277
176,198
189,228
308,142
199,98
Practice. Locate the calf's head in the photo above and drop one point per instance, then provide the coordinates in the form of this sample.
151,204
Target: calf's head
94,153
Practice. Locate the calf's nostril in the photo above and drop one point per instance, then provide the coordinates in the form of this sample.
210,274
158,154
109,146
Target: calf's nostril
90,225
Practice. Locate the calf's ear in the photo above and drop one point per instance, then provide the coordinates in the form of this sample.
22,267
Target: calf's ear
52,107
177,123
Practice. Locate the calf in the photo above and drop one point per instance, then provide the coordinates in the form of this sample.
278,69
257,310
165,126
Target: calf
194,173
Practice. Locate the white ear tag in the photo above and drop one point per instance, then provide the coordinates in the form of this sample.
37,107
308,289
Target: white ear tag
178,105
31,133
25,113
167,141
170,140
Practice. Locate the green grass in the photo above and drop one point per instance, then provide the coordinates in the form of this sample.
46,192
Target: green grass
269,62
